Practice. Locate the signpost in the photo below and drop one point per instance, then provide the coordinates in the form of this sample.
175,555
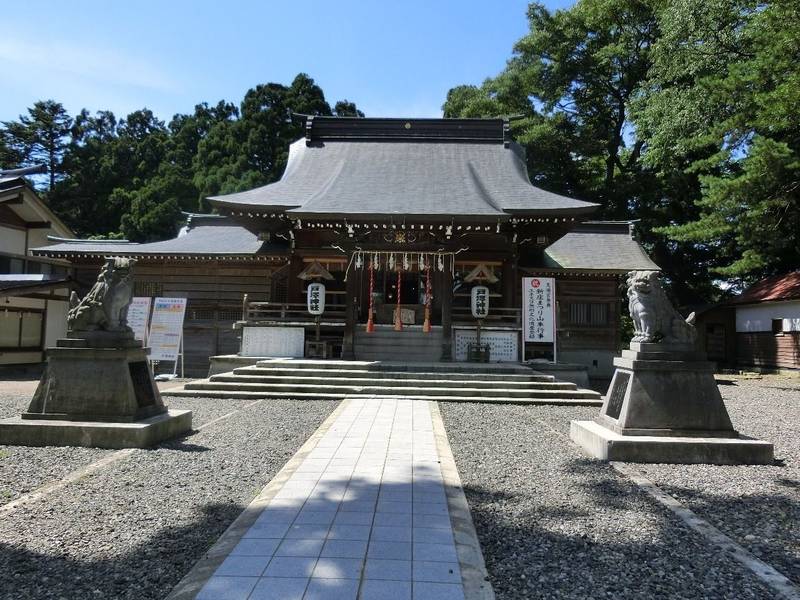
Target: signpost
166,330
139,317
539,312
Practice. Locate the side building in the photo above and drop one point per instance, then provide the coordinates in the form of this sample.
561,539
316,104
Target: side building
34,291
400,217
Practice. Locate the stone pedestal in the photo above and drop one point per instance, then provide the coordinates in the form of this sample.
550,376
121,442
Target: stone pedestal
663,405
98,396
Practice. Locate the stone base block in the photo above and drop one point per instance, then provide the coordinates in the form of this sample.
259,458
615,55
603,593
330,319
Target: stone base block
91,434
603,443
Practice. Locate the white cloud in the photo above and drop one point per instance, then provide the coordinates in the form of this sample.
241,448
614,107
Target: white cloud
56,59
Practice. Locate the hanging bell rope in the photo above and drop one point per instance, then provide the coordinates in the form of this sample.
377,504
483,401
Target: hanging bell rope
370,320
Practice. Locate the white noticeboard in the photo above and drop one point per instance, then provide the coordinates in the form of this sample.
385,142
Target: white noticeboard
538,310
139,317
166,328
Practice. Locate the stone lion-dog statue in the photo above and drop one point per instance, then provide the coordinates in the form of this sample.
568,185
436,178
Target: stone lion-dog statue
105,307
654,317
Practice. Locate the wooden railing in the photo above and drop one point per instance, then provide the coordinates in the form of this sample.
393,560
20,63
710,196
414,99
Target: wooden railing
499,317
289,312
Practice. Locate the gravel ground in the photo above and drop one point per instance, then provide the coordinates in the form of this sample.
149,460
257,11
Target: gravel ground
136,527
759,507
554,524
24,469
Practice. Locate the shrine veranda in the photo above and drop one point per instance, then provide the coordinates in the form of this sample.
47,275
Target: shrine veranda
416,211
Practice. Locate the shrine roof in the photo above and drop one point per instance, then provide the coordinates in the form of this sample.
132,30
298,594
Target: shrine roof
18,284
778,288
606,246
430,168
203,235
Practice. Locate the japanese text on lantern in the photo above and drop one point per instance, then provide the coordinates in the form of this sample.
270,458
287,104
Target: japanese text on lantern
316,298
538,304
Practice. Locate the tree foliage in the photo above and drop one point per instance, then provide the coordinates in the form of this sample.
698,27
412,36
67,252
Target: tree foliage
681,114
132,177
723,103
40,137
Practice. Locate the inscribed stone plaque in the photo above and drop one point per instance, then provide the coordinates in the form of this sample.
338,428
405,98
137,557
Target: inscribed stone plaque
617,394
142,384
282,342
503,345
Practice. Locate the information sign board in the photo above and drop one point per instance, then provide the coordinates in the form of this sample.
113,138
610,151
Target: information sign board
139,317
166,328
538,309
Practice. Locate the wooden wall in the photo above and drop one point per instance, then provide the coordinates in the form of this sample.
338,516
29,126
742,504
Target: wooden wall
588,290
214,290
769,350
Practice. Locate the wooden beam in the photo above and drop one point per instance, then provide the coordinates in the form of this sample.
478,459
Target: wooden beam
12,199
38,224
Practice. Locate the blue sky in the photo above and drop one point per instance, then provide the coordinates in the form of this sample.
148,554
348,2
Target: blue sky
391,58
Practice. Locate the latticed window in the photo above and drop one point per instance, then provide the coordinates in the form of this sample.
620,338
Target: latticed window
148,288
588,314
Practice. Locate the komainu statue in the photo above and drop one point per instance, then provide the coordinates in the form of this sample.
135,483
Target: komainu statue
105,307
654,318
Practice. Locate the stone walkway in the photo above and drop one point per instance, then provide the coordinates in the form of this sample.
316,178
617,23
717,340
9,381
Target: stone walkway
365,515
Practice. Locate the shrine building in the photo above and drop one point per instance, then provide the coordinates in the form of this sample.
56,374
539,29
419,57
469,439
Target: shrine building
399,219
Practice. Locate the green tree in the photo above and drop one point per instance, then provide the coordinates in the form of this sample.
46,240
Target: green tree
571,87
723,103
345,108
81,197
41,136
243,153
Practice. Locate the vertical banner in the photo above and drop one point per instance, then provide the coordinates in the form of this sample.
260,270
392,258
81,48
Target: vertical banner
166,328
538,309
139,317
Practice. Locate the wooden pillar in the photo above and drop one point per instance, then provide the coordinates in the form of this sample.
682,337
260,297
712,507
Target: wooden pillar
294,286
351,311
446,294
509,282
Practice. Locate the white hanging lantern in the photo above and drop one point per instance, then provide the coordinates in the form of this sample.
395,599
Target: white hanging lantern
359,260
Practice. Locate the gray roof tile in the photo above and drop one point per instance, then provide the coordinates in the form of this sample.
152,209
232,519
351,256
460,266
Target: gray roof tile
413,178
203,236
599,246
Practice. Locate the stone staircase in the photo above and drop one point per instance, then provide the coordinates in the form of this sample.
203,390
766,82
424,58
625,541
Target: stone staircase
335,379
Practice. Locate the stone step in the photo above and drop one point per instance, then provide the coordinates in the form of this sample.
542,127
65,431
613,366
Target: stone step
376,365
338,379
409,354
525,376
384,390
242,395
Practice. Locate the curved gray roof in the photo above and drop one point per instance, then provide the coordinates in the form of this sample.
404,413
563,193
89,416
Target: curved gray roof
599,246
363,177
204,235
